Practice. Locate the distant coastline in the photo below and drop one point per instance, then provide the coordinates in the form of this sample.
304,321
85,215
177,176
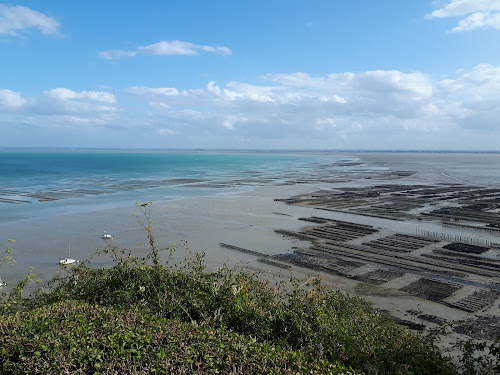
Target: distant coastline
241,151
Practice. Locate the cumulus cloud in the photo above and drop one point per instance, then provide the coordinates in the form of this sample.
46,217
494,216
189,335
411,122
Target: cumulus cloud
66,101
380,91
477,20
456,8
371,104
479,14
169,48
16,20
371,109
62,106
471,100
388,92
148,91
416,85
231,120
11,99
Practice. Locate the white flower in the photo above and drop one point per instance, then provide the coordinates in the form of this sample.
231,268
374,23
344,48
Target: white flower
215,287
142,289
235,289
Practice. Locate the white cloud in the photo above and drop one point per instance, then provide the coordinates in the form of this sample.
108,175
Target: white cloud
371,109
221,50
478,20
480,14
64,94
393,82
245,91
116,54
169,48
380,91
297,80
62,107
457,8
231,120
62,100
483,81
11,99
163,91
366,106
15,20
174,47
471,100
389,92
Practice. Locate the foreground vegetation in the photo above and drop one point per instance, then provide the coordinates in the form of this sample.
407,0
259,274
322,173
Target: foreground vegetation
144,317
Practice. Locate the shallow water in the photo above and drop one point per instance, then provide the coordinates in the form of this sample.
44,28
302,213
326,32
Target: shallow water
244,213
45,184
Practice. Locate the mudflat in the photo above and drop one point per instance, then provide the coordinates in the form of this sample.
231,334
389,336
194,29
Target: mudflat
418,235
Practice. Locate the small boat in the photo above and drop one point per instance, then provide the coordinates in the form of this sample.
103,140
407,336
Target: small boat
2,283
106,236
68,260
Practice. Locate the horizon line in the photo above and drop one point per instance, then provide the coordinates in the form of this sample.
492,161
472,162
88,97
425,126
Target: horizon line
198,149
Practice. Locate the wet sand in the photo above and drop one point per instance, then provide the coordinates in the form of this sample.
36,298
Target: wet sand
197,224
248,220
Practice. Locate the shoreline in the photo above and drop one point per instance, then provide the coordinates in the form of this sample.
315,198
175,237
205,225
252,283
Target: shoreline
198,223
248,219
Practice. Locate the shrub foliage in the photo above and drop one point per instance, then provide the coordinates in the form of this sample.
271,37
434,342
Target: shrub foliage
142,317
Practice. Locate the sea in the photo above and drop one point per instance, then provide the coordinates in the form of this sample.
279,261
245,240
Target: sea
53,198
35,184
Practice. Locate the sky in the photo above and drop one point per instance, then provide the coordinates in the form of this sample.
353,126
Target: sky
261,74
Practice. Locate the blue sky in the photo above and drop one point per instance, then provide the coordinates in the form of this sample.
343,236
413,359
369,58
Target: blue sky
287,74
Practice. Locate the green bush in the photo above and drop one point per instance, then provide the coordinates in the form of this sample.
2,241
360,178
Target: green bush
309,320
78,337
142,317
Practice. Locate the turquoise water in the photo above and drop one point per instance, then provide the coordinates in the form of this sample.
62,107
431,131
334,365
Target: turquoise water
55,168
35,184
40,192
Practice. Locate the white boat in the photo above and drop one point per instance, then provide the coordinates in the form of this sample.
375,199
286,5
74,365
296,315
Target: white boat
68,260
2,283
106,236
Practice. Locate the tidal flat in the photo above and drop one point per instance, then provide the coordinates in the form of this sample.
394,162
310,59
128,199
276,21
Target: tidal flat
416,234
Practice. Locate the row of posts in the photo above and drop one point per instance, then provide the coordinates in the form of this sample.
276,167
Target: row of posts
453,238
